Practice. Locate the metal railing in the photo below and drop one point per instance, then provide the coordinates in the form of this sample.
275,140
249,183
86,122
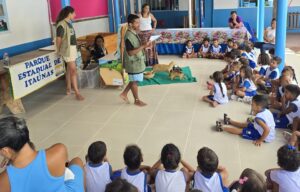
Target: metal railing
294,20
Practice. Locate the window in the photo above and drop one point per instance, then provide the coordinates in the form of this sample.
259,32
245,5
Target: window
253,3
163,4
3,17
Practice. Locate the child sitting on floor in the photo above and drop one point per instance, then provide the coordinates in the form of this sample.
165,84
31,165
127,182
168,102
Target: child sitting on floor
216,50
133,172
271,73
263,128
120,185
189,50
97,169
277,98
209,176
233,73
287,177
291,110
250,181
235,45
218,94
204,49
229,46
170,179
247,88
246,53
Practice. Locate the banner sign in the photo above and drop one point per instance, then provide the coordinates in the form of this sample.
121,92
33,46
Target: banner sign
31,75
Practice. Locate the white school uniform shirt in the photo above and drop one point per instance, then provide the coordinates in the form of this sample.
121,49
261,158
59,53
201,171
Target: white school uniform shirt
97,177
267,117
252,85
170,181
250,56
218,96
288,181
228,49
145,23
212,184
205,49
216,49
138,179
272,73
295,113
189,50
271,33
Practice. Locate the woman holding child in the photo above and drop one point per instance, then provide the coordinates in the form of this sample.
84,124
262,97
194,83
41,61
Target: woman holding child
146,30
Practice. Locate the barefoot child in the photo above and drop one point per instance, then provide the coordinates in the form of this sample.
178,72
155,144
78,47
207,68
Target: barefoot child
263,128
134,59
218,94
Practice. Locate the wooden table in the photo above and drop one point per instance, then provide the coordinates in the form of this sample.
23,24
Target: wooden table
6,98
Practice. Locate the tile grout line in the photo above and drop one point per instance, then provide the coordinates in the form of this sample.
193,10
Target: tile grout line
104,125
64,124
190,126
152,116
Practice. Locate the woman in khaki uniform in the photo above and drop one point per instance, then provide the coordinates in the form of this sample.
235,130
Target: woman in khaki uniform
67,47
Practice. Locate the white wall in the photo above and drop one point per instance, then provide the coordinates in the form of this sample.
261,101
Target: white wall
183,5
222,4
28,21
295,3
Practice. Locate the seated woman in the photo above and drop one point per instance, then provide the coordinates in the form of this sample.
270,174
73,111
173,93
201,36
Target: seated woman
30,170
98,50
235,21
269,38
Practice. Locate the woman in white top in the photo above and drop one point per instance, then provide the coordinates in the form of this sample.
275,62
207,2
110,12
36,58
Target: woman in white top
146,30
269,38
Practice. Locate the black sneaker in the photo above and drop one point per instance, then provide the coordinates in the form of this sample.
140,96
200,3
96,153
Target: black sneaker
219,126
226,119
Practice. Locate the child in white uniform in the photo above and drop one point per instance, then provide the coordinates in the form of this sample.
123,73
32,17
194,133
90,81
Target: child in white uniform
204,49
292,109
263,128
247,88
216,50
249,55
170,179
189,50
219,93
134,173
98,171
209,177
270,74
287,177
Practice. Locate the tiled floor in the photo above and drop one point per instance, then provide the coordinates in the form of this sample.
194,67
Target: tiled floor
174,114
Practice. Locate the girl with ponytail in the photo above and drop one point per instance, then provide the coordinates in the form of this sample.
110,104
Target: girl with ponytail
218,94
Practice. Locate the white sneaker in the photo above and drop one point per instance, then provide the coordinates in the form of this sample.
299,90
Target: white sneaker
287,135
234,97
247,100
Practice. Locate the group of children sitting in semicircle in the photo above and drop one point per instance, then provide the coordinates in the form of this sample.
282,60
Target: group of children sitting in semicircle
274,96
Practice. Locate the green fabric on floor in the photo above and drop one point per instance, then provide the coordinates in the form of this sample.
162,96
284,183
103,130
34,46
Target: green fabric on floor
161,78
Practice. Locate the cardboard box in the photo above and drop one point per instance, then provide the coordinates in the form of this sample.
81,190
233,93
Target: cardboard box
111,77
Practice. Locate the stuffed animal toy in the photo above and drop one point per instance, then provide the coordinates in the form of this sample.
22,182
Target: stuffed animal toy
176,72
163,67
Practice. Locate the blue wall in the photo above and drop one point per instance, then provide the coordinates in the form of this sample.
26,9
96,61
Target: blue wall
247,14
172,19
26,47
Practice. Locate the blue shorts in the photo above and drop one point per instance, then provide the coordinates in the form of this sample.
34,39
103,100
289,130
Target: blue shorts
250,93
211,97
281,122
268,84
252,64
75,185
250,132
136,77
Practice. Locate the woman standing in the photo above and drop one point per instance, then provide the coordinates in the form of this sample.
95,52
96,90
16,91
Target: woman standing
67,47
146,19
